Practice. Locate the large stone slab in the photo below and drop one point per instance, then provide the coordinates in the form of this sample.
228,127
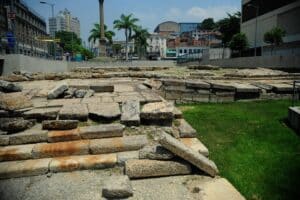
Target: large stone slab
102,131
294,118
244,87
74,112
14,125
173,82
14,101
104,111
60,124
188,154
24,168
117,187
150,97
19,152
29,136
63,135
155,152
85,162
57,91
196,145
111,145
155,168
48,113
196,84
219,85
131,113
45,150
160,113
186,130
6,86
100,87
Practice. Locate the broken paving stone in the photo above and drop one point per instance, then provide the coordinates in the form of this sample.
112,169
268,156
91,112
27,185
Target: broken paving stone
14,125
80,93
196,145
57,91
74,112
155,152
186,130
28,137
122,157
131,113
102,131
69,94
155,168
6,86
188,154
60,124
48,113
160,113
89,93
117,187
104,111
102,88
14,101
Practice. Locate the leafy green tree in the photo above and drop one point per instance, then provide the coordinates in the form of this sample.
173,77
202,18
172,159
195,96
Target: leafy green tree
127,23
229,26
117,48
274,37
208,24
140,37
95,34
239,42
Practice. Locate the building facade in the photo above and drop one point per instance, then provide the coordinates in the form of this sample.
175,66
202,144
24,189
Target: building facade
189,27
167,28
268,14
64,21
21,28
157,45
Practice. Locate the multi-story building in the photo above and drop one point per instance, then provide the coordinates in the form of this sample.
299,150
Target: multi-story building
258,17
64,21
157,45
207,37
21,28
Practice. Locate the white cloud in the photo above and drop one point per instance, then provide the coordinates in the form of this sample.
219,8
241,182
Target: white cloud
213,12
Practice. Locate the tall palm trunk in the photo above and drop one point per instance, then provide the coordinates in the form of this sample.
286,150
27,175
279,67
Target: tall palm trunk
126,43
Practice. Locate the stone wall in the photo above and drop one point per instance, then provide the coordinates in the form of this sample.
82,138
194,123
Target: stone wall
274,62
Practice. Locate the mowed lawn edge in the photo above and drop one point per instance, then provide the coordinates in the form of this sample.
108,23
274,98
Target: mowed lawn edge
251,145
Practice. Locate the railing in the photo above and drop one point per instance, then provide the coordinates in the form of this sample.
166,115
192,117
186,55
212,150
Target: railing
189,58
296,90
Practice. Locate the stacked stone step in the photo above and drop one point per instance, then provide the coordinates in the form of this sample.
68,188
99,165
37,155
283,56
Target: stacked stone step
85,151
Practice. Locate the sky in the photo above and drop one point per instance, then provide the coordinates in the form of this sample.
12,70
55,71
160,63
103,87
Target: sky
149,12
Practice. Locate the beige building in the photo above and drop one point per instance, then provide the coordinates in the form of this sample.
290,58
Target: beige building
282,13
64,21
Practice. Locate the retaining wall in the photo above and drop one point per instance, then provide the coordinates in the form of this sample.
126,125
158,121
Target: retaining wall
274,62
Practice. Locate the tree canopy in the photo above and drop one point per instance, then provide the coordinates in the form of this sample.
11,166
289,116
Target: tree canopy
239,42
208,24
274,36
96,32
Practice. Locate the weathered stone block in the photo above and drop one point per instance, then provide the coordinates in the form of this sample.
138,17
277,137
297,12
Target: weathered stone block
59,124
49,113
19,152
63,135
44,150
24,168
74,112
111,145
197,84
102,88
102,131
186,130
29,136
155,168
72,163
57,91
155,152
122,157
4,140
14,101
104,111
196,145
160,113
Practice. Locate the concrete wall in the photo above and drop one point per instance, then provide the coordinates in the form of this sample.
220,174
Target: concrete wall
17,62
274,62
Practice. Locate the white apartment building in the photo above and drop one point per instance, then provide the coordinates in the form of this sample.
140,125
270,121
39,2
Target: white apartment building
157,44
64,21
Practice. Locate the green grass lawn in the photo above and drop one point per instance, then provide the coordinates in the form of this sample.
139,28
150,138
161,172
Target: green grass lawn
251,145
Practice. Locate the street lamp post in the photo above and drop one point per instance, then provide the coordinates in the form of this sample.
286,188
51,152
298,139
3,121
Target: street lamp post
102,41
255,35
52,12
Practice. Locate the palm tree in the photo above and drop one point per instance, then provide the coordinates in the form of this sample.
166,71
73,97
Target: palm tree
96,34
128,24
140,37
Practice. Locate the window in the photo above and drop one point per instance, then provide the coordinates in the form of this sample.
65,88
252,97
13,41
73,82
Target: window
180,50
185,51
190,50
